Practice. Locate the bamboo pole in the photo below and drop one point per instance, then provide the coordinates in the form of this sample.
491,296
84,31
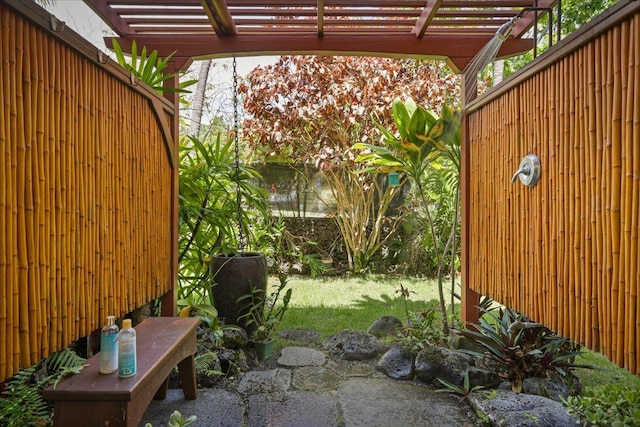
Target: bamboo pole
22,289
634,309
5,205
31,154
43,210
553,181
625,277
615,176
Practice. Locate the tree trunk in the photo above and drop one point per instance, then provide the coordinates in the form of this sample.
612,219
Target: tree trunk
198,98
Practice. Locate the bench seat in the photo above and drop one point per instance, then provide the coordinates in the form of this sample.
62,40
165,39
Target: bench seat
91,399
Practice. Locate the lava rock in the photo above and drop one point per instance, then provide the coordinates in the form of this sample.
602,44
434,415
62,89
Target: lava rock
352,344
385,327
397,363
441,362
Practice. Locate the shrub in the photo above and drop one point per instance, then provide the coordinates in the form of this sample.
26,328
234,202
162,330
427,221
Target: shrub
518,349
611,405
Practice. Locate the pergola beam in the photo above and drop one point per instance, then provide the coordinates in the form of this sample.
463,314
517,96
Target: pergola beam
460,50
426,16
219,17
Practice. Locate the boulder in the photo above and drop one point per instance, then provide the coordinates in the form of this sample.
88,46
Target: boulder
352,344
385,327
506,408
545,387
397,363
441,362
234,338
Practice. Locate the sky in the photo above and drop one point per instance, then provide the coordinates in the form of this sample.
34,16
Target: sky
79,17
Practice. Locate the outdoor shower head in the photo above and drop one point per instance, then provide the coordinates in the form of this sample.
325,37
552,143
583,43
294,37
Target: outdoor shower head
505,29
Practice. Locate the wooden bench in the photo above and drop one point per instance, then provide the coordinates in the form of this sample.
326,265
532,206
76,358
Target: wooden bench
93,399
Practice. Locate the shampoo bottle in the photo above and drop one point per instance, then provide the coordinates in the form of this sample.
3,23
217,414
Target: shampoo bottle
127,350
109,347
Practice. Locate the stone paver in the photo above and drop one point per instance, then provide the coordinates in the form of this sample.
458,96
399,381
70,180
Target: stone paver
213,407
370,402
298,409
301,356
309,394
271,381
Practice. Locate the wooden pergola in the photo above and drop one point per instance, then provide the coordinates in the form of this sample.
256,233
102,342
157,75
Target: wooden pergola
451,30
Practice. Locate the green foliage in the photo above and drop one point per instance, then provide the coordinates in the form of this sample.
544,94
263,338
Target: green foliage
611,405
176,420
22,404
208,209
208,313
461,390
265,312
205,364
149,69
423,143
422,330
575,13
518,349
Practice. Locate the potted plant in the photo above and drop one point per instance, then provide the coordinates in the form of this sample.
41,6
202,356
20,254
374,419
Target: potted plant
264,314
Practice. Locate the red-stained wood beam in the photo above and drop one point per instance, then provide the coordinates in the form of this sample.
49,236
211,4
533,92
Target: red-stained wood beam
320,18
219,17
528,19
109,16
426,16
459,50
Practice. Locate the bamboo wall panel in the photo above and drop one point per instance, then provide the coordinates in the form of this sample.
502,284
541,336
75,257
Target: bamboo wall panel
566,251
85,196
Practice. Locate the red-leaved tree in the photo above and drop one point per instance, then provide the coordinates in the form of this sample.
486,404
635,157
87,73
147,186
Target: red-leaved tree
299,108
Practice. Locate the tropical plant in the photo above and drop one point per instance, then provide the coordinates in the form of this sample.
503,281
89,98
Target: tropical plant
422,329
177,420
363,213
611,405
205,311
22,404
518,349
150,68
265,312
311,109
423,141
209,213
462,390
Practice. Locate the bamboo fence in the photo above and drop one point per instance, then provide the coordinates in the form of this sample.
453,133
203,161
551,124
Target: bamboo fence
85,196
566,251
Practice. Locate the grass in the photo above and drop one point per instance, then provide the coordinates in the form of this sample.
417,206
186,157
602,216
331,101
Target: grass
332,304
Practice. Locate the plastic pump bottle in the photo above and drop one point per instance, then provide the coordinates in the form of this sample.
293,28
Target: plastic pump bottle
109,347
127,362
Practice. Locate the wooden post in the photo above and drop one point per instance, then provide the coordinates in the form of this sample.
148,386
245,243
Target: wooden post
168,300
470,299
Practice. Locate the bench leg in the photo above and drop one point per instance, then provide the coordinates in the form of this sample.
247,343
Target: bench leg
187,374
161,394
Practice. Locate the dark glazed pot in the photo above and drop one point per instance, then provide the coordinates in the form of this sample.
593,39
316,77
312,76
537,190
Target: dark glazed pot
233,277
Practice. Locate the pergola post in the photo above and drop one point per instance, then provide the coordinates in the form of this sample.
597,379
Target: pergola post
469,312
168,300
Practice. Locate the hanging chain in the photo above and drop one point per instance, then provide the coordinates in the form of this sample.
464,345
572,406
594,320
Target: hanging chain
237,148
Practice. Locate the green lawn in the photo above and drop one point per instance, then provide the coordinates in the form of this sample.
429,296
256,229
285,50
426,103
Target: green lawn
332,304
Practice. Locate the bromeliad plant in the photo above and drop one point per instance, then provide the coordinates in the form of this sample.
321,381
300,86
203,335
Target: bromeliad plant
517,349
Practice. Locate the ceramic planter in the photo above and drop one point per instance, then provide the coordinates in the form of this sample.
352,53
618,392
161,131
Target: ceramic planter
264,349
235,276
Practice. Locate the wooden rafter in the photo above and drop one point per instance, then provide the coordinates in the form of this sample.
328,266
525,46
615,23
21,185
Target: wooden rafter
448,29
